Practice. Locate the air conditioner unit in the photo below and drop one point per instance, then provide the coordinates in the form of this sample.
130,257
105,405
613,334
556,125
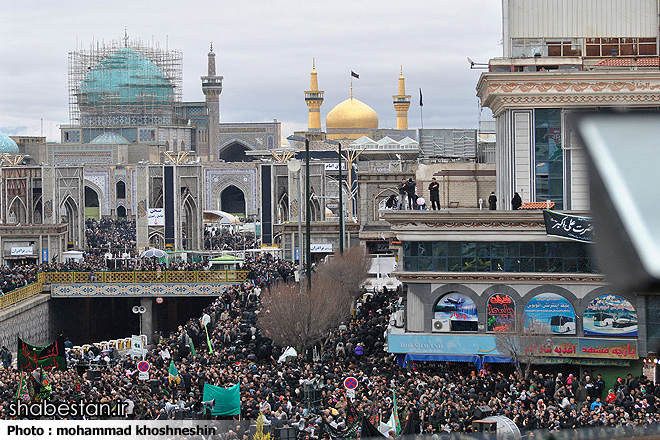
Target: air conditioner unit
440,326
398,318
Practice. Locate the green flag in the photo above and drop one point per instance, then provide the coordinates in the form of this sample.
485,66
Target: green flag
394,418
192,348
23,392
173,373
30,357
208,340
227,400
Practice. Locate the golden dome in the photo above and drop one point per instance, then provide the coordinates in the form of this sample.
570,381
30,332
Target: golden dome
351,113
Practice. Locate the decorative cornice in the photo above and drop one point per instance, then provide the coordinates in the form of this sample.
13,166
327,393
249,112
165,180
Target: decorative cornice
421,277
470,224
499,91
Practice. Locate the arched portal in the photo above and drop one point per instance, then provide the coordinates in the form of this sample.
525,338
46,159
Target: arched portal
121,212
92,209
121,190
69,214
17,212
189,224
37,217
234,152
157,240
232,200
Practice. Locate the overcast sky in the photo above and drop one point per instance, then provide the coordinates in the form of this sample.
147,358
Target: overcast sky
264,51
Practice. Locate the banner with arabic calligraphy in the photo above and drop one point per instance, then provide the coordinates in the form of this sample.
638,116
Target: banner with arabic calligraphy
30,357
610,315
568,226
588,348
500,313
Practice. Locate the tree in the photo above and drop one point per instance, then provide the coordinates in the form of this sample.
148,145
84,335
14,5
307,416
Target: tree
349,269
303,319
523,344
259,433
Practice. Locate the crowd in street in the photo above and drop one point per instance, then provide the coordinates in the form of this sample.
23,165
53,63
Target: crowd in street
216,238
308,389
116,236
111,246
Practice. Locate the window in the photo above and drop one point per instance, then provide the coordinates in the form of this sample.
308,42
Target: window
539,257
548,156
121,190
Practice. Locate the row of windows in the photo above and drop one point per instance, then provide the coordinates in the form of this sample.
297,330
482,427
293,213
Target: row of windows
556,257
590,47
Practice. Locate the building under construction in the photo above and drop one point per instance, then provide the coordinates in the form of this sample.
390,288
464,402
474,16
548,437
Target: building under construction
124,83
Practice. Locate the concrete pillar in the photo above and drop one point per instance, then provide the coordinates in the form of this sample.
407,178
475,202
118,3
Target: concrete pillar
148,318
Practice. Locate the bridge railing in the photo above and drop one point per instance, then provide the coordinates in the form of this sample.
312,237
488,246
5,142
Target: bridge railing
145,276
20,294
107,277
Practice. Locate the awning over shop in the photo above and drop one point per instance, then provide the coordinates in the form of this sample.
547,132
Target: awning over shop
475,359
492,359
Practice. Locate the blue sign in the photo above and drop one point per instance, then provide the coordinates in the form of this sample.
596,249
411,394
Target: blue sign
550,313
442,344
296,254
44,255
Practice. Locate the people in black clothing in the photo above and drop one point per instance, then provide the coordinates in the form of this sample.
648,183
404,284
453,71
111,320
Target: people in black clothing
516,202
402,187
434,191
492,201
411,189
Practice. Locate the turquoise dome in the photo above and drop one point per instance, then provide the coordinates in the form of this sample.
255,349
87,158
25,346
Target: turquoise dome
7,145
126,77
109,138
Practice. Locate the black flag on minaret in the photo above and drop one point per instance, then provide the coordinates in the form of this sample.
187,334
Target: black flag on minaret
421,104
355,75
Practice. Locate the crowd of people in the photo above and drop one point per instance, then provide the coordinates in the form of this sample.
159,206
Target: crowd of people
307,391
116,236
111,245
216,238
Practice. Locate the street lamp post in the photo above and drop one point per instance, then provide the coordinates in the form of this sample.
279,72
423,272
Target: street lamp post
341,198
308,254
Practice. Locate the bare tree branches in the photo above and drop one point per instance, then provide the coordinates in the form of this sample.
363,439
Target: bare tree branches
349,269
290,317
523,344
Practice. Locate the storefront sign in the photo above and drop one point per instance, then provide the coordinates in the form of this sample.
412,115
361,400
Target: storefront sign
321,248
442,344
457,309
334,166
588,348
550,313
21,250
500,313
610,315
156,217
583,348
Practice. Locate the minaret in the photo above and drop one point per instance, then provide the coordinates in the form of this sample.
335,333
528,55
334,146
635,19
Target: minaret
401,104
314,99
212,87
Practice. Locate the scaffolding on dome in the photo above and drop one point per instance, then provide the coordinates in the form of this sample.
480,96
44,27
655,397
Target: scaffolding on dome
124,83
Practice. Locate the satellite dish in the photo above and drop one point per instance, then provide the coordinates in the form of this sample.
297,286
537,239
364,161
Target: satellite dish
293,165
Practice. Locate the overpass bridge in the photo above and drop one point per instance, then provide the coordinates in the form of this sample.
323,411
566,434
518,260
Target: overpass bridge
141,283
98,304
